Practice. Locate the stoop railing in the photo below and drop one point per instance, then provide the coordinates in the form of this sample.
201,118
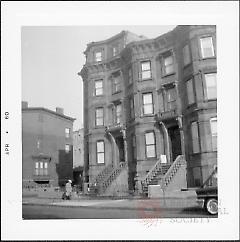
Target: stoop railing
172,171
112,177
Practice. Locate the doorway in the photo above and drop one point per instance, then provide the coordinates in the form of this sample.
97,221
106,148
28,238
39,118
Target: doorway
120,146
175,142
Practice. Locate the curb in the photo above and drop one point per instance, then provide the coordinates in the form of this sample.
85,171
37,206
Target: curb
101,207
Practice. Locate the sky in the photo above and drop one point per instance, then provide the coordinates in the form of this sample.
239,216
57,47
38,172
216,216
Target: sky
53,55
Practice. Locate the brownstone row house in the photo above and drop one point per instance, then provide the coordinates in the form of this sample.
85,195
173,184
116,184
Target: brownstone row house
150,102
47,155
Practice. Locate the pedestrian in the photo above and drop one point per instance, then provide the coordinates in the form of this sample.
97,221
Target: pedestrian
68,188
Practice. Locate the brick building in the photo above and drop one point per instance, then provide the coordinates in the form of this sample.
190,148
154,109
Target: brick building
47,157
149,101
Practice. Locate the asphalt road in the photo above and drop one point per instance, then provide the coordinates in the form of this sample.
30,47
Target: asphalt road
57,212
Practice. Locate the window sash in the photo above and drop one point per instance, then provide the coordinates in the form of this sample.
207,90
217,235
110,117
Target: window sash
195,137
132,108
67,148
100,152
98,87
67,132
186,55
168,64
190,93
98,56
150,144
130,80
118,113
211,85
213,124
116,84
207,47
99,116
146,70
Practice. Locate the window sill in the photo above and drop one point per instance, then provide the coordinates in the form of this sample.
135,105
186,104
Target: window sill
207,58
99,127
98,96
100,164
148,115
146,79
116,92
169,74
187,65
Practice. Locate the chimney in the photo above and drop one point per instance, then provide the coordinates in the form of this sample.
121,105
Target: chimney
24,104
59,110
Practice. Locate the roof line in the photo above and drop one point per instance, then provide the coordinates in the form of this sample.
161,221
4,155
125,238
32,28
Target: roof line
49,111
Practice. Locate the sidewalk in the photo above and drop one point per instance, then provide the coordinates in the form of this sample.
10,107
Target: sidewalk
132,204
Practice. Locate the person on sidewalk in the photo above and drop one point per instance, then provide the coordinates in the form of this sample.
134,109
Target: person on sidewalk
68,190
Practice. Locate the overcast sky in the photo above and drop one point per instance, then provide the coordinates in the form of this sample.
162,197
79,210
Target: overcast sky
52,57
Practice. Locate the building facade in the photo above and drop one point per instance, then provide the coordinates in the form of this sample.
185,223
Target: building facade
78,149
47,155
150,99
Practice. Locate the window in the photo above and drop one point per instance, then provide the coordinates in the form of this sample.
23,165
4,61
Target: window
213,123
67,132
207,49
115,50
99,116
186,55
146,70
168,64
147,103
100,152
130,77
134,147
211,85
116,85
67,148
98,56
190,93
171,99
98,87
195,137
150,144
41,168
118,113
132,114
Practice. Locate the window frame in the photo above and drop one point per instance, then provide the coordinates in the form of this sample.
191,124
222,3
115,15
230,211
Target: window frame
67,134
206,87
144,71
213,135
118,115
143,104
193,91
95,56
167,102
193,139
164,56
185,63
101,117
67,151
212,47
100,152
147,145
132,110
95,88
116,84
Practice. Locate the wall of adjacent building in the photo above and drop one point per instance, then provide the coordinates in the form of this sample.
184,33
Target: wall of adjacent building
49,131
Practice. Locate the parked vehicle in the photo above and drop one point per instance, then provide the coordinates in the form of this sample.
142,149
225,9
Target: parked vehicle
208,198
207,195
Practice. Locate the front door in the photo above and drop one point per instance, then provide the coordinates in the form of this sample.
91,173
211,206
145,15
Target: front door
120,146
175,140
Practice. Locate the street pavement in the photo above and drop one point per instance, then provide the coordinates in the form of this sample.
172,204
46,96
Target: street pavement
40,208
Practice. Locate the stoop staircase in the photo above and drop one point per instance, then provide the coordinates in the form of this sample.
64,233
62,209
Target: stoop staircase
162,174
105,178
